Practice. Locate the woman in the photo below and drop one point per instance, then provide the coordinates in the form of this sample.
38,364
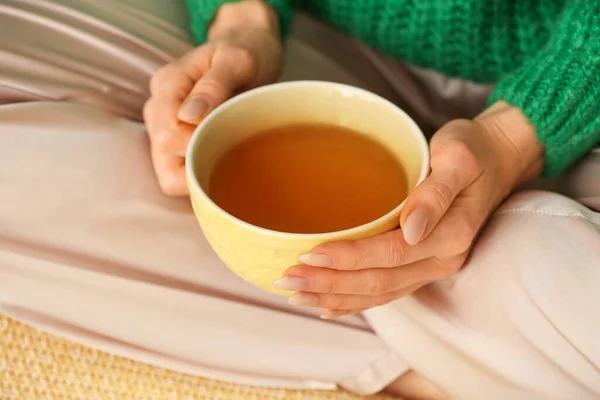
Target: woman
518,321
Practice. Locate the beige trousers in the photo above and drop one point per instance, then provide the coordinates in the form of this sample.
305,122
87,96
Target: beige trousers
92,251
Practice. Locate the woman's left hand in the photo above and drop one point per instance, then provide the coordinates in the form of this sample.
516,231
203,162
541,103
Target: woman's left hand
474,167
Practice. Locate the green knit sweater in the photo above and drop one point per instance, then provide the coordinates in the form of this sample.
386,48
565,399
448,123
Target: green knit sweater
544,55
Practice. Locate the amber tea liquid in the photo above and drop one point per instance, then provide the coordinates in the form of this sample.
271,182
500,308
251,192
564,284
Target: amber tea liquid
308,178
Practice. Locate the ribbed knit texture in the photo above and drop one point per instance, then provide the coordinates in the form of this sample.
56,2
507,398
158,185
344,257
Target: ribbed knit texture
202,13
544,55
559,87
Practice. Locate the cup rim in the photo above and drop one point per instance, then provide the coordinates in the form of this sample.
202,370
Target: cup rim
193,183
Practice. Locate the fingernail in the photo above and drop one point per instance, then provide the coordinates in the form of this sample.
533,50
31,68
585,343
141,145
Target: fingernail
304,300
193,110
292,283
315,260
414,226
327,315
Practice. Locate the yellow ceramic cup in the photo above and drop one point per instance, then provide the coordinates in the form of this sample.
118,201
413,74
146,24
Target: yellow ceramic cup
258,255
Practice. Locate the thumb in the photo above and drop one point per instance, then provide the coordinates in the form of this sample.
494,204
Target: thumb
215,87
428,203
229,71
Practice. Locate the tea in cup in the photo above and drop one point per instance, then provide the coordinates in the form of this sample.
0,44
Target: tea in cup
283,168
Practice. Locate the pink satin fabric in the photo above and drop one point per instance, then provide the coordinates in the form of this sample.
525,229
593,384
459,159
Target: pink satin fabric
91,250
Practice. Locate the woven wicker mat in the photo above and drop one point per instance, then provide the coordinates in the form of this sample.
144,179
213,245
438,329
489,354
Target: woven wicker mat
37,366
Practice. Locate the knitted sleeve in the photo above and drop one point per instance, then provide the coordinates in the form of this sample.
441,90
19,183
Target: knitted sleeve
559,88
202,13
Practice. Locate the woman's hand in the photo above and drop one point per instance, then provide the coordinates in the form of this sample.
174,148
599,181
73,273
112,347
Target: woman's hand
474,166
243,51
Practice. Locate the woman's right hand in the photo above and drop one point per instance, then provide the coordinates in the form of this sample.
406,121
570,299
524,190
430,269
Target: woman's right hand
243,51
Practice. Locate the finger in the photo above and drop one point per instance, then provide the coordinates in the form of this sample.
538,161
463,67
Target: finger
346,301
175,80
175,139
167,134
454,167
458,228
387,250
375,281
168,166
170,172
227,74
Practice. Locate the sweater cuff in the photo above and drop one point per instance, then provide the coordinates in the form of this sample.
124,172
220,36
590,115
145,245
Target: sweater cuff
202,13
558,90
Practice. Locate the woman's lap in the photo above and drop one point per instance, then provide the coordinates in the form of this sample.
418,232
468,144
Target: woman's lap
90,249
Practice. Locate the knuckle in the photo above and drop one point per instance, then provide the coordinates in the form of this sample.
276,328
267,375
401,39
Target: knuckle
332,302
236,62
462,155
162,146
359,253
348,256
328,285
173,126
164,141
460,150
396,252
170,140
441,195
214,86
160,77
239,53
382,283
465,156
241,56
